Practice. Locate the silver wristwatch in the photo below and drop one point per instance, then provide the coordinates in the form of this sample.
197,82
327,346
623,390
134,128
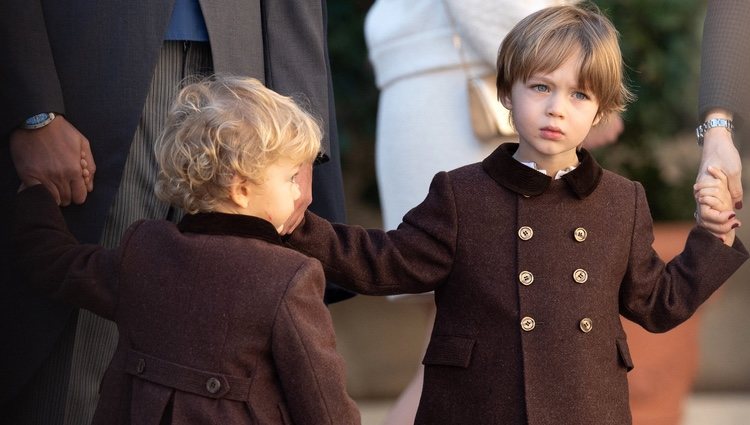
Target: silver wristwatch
38,121
700,132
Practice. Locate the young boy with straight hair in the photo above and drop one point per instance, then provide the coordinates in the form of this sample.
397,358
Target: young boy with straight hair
535,252
218,321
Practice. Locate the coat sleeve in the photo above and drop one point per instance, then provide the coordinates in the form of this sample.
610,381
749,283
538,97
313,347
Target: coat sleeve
725,58
27,70
414,258
660,296
50,258
304,351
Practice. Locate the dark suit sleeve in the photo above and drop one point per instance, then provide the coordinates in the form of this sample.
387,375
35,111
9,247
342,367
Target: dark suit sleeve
296,64
28,78
725,58
416,257
296,56
304,351
660,297
52,260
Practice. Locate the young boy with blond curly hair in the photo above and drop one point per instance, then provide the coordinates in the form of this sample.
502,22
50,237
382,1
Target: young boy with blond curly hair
535,252
218,321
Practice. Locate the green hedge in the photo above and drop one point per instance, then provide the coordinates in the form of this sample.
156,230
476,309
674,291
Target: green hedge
661,44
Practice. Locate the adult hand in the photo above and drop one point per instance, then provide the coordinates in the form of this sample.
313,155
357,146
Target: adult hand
58,156
719,151
304,180
604,133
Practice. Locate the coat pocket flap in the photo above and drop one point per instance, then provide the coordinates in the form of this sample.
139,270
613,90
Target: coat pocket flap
446,350
624,352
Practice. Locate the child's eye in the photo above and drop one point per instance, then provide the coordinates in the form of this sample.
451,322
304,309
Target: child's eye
541,88
580,95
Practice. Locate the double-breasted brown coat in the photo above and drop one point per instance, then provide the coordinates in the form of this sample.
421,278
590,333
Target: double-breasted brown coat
530,276
219,323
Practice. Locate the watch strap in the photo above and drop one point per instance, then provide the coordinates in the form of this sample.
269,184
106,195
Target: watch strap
701,130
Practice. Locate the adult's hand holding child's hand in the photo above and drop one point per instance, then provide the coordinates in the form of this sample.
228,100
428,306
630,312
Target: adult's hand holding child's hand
57,156
719,151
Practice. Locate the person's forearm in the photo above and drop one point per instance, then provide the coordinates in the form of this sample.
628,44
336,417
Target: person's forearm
725,58
718,113
29,78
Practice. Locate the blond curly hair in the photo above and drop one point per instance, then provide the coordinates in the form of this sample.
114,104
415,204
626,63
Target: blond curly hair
225,127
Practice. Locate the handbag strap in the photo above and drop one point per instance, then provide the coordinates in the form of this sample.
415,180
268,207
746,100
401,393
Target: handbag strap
457,42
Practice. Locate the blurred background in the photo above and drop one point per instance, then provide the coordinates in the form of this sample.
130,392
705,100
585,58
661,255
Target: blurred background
383,341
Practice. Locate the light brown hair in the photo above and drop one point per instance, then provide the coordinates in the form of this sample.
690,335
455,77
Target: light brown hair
544,40
225,127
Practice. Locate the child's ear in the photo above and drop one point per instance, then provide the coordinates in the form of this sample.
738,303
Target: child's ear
505,101
597,119
240,192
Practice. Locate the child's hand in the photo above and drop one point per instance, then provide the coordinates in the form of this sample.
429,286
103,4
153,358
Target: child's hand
715,206
29,183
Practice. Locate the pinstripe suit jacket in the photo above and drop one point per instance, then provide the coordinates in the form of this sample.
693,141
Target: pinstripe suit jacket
93,61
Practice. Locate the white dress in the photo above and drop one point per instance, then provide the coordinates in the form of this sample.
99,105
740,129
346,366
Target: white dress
423,123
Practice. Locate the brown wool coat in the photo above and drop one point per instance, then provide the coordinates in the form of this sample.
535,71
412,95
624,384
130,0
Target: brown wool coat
530,276
215,318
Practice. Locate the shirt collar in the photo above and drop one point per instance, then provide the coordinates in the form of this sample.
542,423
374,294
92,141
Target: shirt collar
519,178
216,223
558,175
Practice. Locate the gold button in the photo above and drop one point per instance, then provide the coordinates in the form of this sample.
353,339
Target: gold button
525,233
528,324
580,234
580,276
586,325
526,278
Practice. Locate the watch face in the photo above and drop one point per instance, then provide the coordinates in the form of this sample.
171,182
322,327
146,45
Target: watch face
37,119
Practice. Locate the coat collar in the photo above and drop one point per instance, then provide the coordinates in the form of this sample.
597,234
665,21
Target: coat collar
216,223
514,176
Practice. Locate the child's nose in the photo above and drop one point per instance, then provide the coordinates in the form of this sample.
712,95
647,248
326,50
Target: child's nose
555,106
